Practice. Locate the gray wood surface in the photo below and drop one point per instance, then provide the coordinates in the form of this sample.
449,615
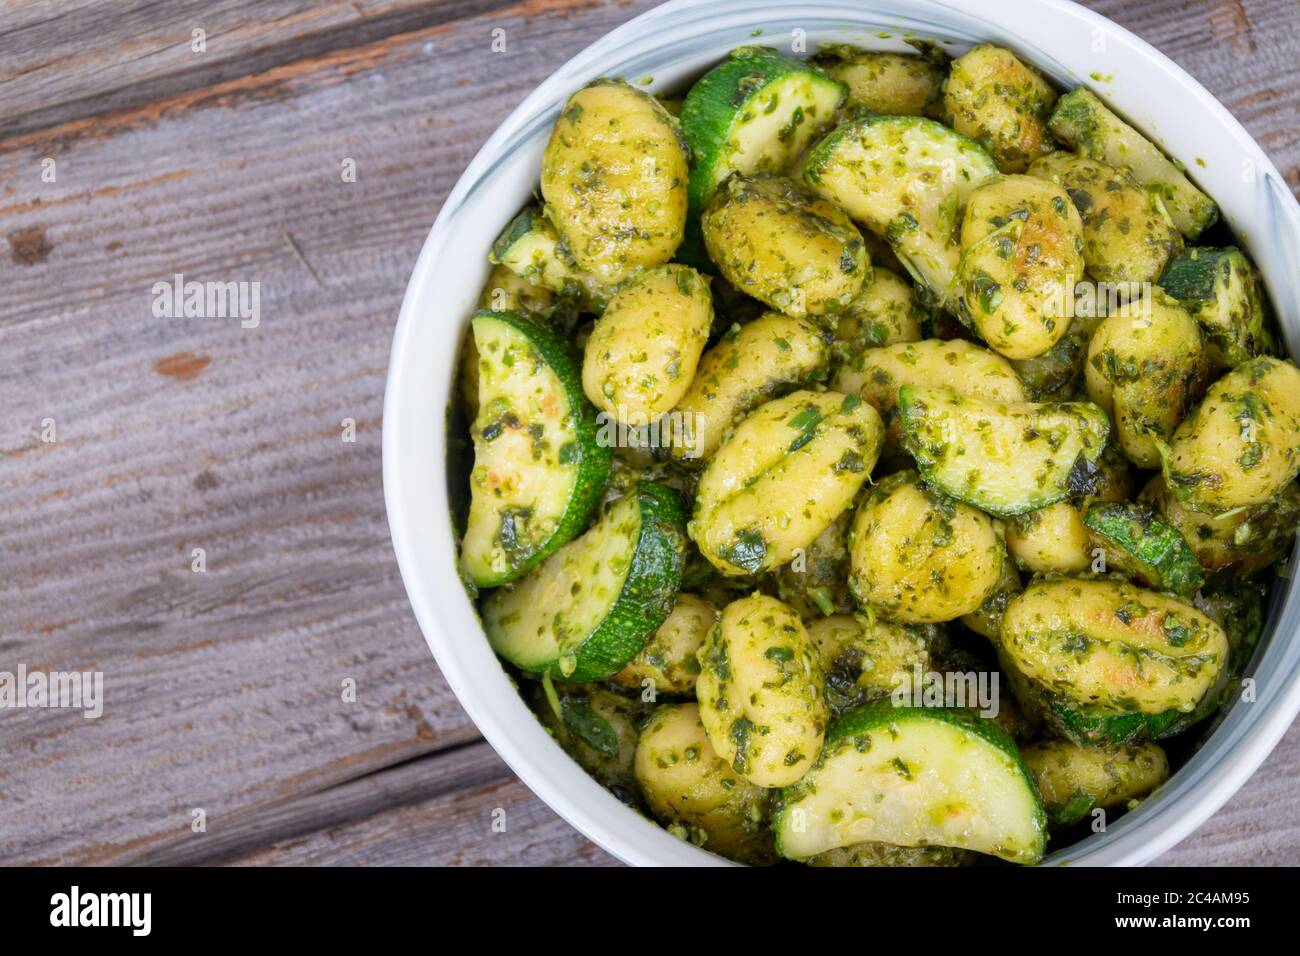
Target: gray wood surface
224,688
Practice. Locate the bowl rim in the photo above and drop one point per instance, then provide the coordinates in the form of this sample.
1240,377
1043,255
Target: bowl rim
1138,837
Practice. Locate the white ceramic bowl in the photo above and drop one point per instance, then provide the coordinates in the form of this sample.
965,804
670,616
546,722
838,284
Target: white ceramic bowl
672,44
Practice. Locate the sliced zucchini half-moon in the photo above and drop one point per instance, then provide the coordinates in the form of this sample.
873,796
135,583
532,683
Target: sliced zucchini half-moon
914,776
538,466
1138,542
753,113
1005,459
907,179
588,611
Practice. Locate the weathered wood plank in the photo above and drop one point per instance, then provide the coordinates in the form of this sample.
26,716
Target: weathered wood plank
488,818
68,59
223,688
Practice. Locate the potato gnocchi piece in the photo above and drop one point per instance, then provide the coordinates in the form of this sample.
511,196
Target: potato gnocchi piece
921,558
1021,255
893,84
1074,779
877,374
752,363
1223,292
1239,543
614,178
694,792
642,354
1002,104
785,246
1147,367
906,179
667,664
597,728
866,658
783,476
761,692
1241,446
1128,235
1005,459
1083,122
816,582
1109,661
884,313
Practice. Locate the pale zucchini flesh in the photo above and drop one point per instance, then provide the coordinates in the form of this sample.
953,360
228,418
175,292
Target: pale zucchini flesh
538,469
1004,459
914,777
590,608
906,179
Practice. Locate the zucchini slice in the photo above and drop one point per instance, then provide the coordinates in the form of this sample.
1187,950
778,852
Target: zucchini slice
907,179
754,113
1221,289
1105,660
1084,123
538,467
1141,544
588,611
914,776
1003,459
531,249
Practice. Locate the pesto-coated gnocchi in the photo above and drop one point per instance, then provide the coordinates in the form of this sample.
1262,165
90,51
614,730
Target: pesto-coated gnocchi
814,398
752,363
668,663
762,692
1110,661
695,793
642,353
866,658
783,476
1075,780
785,246
1002,104
614,179
1021,255
1146,367
884,313
1128,235
919,557
1241,446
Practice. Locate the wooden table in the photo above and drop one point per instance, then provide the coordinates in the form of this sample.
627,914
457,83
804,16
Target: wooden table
225,689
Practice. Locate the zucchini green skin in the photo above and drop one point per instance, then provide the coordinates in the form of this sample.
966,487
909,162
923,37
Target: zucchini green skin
852,731
593,461
1141,543
1083,122
1221,289
643,603
718,106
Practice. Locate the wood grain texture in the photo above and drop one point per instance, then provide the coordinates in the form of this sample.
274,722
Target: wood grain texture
224,688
